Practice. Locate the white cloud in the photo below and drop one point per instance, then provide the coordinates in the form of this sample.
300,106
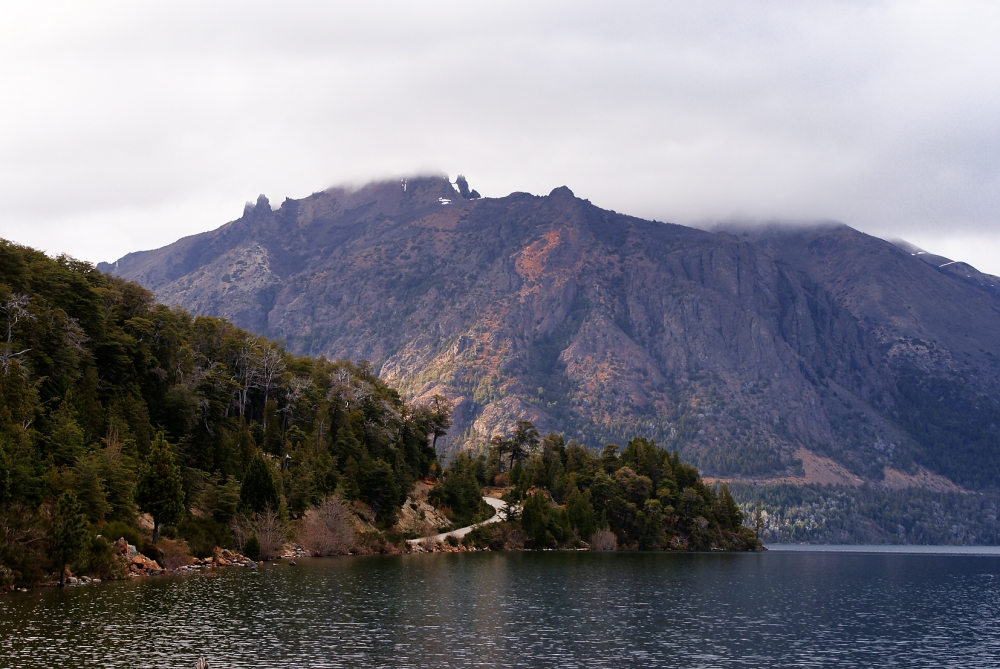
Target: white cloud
127,125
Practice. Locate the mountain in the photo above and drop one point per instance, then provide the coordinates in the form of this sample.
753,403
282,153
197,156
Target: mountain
769,354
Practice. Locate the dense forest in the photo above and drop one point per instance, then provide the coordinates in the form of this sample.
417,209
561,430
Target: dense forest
562,494
116,405
123,417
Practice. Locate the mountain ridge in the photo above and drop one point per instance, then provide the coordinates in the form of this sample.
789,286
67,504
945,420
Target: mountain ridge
737,346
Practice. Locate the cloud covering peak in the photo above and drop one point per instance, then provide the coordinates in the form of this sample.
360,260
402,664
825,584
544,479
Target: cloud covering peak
128,125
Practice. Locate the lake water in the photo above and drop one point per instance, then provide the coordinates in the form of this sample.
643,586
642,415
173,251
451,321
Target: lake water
843,606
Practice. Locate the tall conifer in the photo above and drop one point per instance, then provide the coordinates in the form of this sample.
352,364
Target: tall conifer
160,491
68,533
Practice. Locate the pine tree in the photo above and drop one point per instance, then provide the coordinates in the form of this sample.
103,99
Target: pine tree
68,533
259,490
730,515
160,491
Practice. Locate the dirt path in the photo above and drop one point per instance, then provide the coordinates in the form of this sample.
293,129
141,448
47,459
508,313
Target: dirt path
462,531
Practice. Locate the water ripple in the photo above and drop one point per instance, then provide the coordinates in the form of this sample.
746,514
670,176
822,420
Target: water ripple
530,609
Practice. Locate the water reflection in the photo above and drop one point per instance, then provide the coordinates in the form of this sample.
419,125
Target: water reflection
529,609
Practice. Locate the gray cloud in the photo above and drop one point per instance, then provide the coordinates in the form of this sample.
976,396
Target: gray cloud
126,126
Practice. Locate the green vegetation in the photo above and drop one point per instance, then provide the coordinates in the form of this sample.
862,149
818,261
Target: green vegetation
643,498
160,492
251,548
68,534
123,405
458,495
872,515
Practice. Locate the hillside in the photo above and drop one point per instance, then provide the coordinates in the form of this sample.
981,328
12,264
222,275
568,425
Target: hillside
124,418
767,355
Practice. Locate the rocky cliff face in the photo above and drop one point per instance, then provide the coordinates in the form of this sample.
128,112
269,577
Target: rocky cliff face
740,348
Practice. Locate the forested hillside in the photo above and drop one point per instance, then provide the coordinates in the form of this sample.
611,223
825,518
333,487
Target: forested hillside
115,410
112,405
640,498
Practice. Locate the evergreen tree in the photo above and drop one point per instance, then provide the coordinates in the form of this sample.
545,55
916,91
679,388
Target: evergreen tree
160,491
381,491
581,513
251,548
67,438
89,489
259,490
460,492
67,534
730,515
347,446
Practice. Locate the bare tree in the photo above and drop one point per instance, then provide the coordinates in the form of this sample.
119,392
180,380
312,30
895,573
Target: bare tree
296,389
15,307
327,529
271,533
247,371
74,335
267,525
271,367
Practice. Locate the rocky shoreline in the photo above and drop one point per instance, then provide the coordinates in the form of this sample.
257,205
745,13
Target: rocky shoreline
137,565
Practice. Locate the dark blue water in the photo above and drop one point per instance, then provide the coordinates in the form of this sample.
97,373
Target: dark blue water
553,609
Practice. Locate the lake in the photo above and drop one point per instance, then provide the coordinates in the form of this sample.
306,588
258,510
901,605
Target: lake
812,607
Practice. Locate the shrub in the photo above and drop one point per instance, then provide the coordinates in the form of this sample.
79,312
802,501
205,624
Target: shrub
173,554
150,551
203,535
496,537
7,579
327,529
102,561
117,529
603,540
251,547
266,527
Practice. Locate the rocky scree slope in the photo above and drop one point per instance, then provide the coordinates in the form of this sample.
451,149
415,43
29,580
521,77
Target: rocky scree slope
756,353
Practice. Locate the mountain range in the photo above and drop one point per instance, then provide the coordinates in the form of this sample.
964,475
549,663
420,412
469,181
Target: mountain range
767,353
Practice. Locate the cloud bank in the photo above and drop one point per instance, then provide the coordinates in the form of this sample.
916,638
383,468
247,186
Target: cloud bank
128,126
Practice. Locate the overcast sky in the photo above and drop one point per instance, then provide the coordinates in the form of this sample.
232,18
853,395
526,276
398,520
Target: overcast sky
124,125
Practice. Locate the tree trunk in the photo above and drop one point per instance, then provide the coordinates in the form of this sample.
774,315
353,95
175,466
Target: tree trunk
62,575
156,531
